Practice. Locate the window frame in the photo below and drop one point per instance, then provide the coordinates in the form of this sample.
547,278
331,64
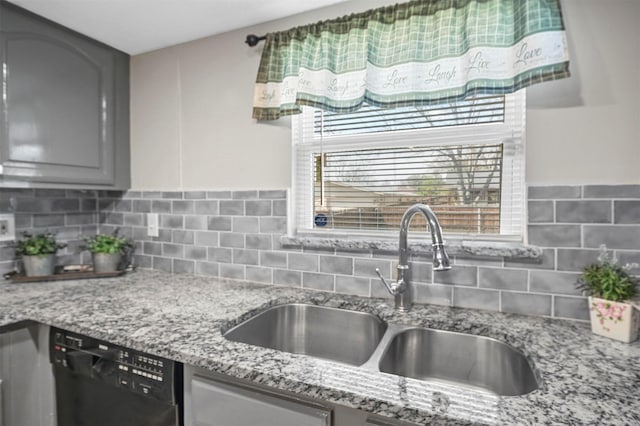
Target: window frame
511,133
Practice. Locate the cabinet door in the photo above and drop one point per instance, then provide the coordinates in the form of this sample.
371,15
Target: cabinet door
223,404
58,102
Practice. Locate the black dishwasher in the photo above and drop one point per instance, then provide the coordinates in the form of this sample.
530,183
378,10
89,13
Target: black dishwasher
101,384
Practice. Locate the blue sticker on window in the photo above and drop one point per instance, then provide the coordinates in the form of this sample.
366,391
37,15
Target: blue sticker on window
321,219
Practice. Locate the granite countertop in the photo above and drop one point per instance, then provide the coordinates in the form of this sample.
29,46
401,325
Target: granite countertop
585,379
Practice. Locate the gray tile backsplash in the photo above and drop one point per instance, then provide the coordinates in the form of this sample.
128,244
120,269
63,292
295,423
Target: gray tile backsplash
235,234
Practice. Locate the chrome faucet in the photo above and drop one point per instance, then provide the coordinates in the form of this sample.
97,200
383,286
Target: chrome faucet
402,288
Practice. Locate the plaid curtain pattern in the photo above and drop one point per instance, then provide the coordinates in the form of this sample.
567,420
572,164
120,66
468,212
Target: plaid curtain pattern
416,53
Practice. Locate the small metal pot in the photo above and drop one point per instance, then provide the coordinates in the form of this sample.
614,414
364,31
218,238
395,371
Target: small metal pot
105,262
39,265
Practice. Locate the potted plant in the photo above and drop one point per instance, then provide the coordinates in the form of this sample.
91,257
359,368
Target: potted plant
38,253
107,251
611,288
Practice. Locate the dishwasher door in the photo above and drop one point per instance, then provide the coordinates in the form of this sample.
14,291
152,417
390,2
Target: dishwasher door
101,384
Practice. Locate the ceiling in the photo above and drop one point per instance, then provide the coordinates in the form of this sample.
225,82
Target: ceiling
138,26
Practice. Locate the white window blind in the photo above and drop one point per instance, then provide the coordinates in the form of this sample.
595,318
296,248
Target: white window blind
358,172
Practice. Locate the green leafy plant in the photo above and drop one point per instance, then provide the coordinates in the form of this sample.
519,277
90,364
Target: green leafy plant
38,245
107,243
608,280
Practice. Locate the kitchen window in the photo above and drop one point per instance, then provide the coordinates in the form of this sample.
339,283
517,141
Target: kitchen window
356,173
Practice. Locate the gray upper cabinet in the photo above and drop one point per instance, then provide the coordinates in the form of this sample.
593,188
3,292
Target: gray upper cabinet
65,106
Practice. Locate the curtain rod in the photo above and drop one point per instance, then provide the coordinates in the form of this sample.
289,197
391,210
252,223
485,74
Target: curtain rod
253,39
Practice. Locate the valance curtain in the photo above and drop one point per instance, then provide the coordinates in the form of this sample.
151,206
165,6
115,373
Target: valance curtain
416,53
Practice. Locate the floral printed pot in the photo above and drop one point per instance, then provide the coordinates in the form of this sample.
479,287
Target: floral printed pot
616,320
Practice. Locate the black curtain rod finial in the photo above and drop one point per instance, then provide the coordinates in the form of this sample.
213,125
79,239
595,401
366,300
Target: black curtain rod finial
253,39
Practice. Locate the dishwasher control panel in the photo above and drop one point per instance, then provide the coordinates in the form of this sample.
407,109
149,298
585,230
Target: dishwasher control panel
114,365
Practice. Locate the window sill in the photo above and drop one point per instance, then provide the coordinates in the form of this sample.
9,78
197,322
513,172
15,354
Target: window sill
512,250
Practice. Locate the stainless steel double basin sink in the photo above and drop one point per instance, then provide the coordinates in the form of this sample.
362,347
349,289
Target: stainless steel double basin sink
363,339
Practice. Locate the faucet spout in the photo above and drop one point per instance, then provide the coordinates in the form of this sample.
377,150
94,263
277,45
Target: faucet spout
403,290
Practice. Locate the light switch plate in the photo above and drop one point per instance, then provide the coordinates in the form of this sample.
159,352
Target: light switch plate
152,225
7,227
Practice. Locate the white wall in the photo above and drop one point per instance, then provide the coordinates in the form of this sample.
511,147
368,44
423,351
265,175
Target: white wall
192,127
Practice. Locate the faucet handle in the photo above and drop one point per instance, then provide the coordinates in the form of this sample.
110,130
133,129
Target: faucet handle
390,289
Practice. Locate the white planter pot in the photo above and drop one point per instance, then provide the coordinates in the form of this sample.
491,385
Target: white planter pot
36,266
616,320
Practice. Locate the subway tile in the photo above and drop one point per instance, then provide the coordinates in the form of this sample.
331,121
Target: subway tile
421,272
195,195
195,222
273,225
183,237
141,206
81,218
627,212
336,265
32,205
258,241
303,262
571,307
458,275
434,293
207,238
554,235
182,207
353,285
140,234
111,218
258,207
152,248
208,207
128,194
576,259
207,268
476,298
272,194
625,237
553,282
161,206
245,224
219,223
540,211
228,270
172,250
45,192
244,195
163,264
259,274
547,261
246,257
629,257
88,204
171,221
110,193
65,205
612,191
287,277
7,253
181,266
195,253
164,235
590,211
123,206
273,259
554,192
105,205
142,261
132,219
232,207
317,281
526,303
465,259
229,239
503,279
219,195
24,221
48,220
367,267
174,195
279,207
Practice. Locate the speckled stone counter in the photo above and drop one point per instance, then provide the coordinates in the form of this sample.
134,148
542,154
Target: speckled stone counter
585,379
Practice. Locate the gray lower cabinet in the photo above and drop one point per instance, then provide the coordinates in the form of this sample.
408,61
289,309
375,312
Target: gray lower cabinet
65,106
26,379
